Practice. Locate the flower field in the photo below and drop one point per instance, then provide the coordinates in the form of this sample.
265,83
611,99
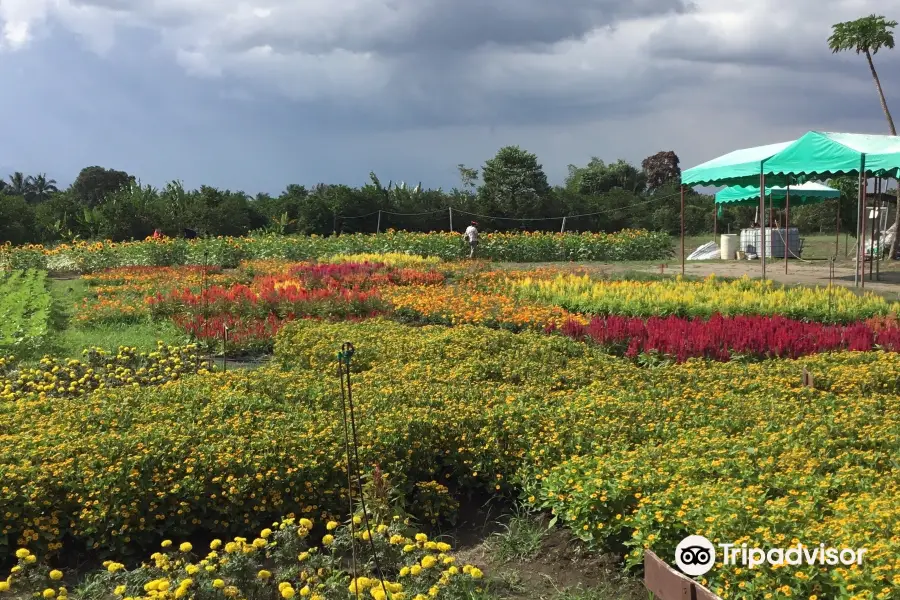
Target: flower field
580,293
623,454
636,412
285,561
24,311
89,257
255,300
56,378
722,338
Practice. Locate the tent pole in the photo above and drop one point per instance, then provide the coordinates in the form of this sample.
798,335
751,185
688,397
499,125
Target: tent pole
859,200
787,229
881,184
864,193
872,230
715,221
762,216
682,230
837,236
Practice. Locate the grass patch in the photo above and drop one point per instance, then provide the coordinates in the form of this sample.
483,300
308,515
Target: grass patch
68,339
520,539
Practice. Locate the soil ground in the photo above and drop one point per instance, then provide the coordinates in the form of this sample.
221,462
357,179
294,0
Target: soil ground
524,559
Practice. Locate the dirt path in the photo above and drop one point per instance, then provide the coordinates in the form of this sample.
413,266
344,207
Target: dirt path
816,273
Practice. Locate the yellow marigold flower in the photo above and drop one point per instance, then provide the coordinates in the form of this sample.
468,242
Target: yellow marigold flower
218,584
305,591
287,593
421,537
303,556
22,552
215,544
306,523
332,525
408,548
186,547
31,559
48,593
415,570
4,586
166,543
259,543
265,533
404,571
56,575
428,562
328,539
475,573
359,585
264,575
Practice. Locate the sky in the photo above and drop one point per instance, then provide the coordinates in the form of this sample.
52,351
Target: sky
253,95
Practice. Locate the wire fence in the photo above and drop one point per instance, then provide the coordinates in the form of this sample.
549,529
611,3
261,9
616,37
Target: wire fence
457,219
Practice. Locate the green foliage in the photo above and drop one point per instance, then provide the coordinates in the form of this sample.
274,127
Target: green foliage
513,189
94,184
17,220
24,311
520,539
514,184
661,168
866,35
229,252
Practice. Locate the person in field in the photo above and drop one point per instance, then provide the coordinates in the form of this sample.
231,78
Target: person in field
471,236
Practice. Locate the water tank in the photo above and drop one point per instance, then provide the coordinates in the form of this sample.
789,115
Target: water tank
728,246
775,242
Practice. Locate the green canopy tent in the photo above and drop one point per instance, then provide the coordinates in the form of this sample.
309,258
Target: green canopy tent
739,168
806,193
779,197
819,155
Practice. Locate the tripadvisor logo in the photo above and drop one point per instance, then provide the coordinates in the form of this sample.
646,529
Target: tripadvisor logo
695,555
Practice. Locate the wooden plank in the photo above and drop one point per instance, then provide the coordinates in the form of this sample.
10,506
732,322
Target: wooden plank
666,583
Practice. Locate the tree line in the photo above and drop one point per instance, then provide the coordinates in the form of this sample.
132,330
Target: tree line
508,192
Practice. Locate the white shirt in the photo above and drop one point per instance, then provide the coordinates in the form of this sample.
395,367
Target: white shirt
471,233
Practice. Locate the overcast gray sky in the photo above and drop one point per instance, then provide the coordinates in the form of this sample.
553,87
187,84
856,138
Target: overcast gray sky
256,94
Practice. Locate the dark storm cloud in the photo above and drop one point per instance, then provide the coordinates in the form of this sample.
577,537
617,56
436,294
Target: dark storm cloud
453,27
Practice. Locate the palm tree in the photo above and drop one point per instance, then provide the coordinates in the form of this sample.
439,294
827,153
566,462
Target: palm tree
40,188
18,184
867,36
